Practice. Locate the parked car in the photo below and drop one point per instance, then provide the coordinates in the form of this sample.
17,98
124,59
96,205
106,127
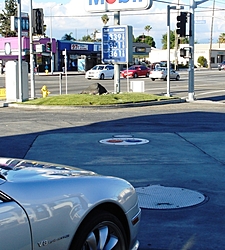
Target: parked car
135,71
102,71
161,73
221,65
51,206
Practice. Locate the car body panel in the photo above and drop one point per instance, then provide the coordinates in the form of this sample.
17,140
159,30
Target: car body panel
161,73
14,229
135,71
56,199
106,70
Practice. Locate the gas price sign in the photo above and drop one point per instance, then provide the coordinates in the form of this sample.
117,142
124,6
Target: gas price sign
117,44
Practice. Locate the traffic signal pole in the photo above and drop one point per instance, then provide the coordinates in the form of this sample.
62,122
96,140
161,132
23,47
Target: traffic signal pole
32,80
168,46
116,65
193,5
20,94
191,79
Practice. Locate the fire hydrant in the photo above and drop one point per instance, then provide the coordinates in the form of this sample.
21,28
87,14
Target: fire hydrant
44,91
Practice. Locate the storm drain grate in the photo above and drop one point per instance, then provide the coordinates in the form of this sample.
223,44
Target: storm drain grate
160,197
125,140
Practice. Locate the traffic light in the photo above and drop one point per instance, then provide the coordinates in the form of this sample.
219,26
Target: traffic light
38,21
48,47
181,24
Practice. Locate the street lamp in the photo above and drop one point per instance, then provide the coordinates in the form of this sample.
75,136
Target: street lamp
52,59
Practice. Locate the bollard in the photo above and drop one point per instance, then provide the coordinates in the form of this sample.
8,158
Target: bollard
60,83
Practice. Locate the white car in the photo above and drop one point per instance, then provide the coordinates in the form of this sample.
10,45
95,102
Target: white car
161,73
101,72
49,206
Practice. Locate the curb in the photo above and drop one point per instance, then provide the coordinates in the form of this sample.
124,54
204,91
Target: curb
127,105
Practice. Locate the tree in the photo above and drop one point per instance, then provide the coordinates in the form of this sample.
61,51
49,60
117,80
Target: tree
105,19
94,35
145,39
172,40
221,38
68,37
202,61
148,28
5,18
86,38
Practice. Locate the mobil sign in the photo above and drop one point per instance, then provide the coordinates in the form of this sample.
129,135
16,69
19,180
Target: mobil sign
116,5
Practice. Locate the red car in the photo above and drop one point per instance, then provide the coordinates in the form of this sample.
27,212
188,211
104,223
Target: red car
135,71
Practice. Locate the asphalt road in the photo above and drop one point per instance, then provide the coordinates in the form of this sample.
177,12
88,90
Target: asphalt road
209,84
185,149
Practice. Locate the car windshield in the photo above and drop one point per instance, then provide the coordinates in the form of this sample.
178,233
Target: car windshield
132,68
98,67
160,69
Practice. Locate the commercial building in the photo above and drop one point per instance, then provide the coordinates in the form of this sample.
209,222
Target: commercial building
214,54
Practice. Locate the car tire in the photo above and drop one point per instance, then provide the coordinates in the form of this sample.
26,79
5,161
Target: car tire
101,228
147,75
102,77
113,77
165,78
153,79
135,75
177,78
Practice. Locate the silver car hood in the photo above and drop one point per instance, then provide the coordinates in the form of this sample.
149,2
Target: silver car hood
16,170
30,182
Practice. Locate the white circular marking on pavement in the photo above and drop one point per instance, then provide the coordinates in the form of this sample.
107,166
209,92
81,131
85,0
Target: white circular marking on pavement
119,140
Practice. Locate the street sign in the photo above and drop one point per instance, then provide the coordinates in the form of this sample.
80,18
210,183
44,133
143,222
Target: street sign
117,44
117,5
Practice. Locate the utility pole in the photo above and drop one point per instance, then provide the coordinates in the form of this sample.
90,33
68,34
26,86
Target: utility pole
210,48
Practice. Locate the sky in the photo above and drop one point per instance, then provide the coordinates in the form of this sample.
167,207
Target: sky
69,16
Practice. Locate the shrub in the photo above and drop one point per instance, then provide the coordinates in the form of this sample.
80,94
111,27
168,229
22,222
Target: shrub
202,61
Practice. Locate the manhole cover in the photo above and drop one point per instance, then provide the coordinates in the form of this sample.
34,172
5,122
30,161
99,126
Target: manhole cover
124,140
160,197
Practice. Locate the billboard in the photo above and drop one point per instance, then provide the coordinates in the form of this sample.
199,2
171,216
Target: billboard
116,5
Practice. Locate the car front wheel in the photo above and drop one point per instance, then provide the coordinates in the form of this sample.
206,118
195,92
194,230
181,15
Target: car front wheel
102,230
177,78
102,77
135,75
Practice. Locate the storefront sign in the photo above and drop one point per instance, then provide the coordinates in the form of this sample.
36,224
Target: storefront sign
79,47
117,5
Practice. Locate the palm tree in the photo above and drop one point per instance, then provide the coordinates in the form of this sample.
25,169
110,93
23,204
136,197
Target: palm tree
68,37
105,19
222,38
148,28
94,34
